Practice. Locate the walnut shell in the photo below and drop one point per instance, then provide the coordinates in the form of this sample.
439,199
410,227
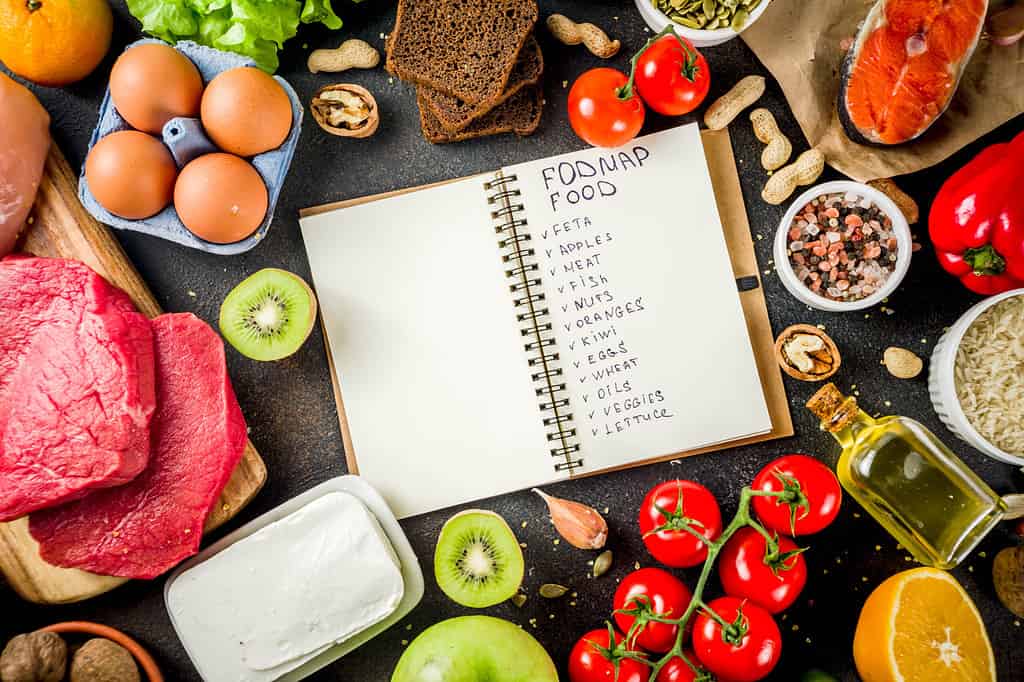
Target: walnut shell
101,660
327,104
34,657
820,364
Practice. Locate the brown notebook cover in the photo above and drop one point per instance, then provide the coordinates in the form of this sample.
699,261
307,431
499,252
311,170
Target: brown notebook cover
729,197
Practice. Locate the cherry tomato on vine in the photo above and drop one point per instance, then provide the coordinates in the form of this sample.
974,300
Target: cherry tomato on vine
654,591
771,580
667,510
676,670
746,650
814,489
591,660
599,111
672,77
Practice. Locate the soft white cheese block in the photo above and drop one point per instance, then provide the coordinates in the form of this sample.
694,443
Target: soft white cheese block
286,593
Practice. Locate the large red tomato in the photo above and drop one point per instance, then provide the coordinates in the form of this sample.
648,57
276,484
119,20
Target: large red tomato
657,592
814,491
591,660
599,113
746,570
745,651
672,77
668,510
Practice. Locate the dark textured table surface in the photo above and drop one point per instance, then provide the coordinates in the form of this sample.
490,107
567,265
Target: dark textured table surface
290,407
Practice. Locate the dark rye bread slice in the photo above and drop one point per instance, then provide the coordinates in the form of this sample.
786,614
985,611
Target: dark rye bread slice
463,48
520,114
454,115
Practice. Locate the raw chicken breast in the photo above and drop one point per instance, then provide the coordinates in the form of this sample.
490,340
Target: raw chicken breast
24,143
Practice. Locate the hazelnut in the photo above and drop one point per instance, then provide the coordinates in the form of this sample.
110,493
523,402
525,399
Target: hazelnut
34,657
807,353
101,660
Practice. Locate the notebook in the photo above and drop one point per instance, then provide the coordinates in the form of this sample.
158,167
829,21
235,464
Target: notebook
551,320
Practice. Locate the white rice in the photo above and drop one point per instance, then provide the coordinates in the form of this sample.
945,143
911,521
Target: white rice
989,373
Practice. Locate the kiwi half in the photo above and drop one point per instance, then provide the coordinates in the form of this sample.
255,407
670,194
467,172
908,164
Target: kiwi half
269,315
478,562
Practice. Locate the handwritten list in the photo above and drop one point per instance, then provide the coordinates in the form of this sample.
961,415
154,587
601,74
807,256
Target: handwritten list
651,338
594,341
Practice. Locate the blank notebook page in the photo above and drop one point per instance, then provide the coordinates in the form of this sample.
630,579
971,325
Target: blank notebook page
429,355
652,337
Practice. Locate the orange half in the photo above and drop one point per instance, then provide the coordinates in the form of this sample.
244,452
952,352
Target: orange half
921,626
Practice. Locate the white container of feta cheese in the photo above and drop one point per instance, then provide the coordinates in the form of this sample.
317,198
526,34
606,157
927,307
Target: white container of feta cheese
297,588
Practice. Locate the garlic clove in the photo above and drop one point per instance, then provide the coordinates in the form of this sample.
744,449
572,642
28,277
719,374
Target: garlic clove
581,526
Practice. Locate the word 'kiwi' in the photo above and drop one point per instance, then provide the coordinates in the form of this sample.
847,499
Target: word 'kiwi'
478,562
269,315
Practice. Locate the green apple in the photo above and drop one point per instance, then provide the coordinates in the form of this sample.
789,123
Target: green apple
475,649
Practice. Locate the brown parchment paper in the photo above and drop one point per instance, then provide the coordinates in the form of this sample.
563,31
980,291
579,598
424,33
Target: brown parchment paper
799,42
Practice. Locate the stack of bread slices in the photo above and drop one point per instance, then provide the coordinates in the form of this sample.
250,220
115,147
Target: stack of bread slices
475,64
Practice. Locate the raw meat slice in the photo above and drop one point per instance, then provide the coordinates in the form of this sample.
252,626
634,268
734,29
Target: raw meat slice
144,528
904,66
24,143
76,384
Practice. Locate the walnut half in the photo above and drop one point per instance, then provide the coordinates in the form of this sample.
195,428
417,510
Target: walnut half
807,353
345,110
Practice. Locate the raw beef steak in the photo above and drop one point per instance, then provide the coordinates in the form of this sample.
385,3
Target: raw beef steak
76,384
142,529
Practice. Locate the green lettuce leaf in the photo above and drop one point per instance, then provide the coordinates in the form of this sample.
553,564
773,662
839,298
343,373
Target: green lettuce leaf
320,11
254,28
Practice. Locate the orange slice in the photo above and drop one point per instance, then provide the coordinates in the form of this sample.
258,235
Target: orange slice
920,626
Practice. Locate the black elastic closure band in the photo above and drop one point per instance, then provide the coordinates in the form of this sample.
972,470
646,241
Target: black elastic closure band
747,283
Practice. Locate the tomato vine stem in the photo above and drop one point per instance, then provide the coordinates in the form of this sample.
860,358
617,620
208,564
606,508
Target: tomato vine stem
730,631
689,66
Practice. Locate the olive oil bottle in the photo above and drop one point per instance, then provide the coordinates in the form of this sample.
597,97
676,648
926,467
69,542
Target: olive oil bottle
909,481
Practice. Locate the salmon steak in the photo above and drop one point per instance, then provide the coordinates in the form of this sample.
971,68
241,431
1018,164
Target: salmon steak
904,66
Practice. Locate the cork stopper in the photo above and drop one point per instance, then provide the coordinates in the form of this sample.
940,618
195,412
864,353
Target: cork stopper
834,409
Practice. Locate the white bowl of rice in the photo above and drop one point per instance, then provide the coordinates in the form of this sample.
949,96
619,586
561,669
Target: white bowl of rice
976,377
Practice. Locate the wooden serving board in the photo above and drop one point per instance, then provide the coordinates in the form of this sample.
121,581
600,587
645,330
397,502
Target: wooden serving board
61,227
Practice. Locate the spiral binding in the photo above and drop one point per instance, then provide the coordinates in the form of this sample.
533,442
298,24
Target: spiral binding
538,342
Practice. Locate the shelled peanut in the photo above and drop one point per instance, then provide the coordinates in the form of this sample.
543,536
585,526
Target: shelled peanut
806,169
727,107
767,131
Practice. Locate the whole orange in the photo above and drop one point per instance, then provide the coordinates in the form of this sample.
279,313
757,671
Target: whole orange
54,42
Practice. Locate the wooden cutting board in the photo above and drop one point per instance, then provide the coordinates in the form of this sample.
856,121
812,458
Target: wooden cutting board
61,227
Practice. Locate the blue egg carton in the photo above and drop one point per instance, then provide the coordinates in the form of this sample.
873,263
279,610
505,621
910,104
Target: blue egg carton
186,140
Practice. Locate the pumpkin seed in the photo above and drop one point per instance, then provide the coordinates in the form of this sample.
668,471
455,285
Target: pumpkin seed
519,599
602,563
739,19
552,591
709,8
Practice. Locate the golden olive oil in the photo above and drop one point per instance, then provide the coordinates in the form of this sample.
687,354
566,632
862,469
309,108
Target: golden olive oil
909,481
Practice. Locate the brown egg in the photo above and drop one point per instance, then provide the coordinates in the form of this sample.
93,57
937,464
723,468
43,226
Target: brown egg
221,198
131,174
246,112
152,83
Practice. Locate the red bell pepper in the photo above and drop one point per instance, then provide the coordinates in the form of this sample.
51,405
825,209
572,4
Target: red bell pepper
977,220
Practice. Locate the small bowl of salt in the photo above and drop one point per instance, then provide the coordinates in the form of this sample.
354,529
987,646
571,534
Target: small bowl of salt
842,246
